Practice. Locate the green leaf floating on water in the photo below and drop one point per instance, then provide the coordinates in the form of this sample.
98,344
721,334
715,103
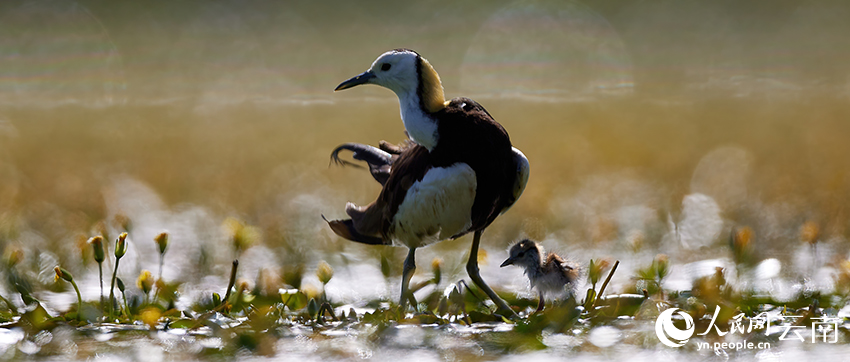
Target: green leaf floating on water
183,324
36,319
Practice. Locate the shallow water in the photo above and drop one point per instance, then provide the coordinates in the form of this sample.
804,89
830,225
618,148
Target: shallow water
650,128
623,340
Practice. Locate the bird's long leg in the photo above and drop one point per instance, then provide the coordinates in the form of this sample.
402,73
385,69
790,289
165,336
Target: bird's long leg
407,274
540,303
472,269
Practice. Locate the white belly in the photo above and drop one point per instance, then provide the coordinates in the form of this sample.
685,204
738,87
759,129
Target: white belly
552,285
437,207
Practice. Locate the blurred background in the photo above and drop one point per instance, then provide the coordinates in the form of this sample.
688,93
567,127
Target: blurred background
651,127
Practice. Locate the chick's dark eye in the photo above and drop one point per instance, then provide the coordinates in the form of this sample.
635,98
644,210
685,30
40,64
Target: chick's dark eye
385,67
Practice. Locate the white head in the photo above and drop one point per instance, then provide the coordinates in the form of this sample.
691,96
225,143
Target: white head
395,69
406,73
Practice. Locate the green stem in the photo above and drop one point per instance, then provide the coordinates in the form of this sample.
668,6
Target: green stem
156,284
161,262
79,299
605,284
100,274
112,289
126,305
232,281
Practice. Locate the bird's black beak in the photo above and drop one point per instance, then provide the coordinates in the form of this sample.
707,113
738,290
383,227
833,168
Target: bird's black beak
508,261
363,78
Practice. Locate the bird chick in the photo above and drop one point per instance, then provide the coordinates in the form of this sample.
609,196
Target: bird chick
548,273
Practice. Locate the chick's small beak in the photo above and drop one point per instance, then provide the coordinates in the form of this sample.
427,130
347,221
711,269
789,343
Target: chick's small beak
508,261
362,78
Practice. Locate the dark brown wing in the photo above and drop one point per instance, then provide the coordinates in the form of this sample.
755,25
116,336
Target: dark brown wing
371,224
345,228
410,167
469,134
394,149
555,264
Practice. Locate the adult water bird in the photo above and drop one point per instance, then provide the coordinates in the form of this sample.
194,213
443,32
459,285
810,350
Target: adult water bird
548,273
459,175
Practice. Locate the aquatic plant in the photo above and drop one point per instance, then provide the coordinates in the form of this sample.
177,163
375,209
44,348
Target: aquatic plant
252,319
99,256
161,241
120,250
66,276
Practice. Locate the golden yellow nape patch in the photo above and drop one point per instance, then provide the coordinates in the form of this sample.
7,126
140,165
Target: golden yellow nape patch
432,89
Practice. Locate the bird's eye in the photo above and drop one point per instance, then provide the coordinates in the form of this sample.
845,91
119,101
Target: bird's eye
386,66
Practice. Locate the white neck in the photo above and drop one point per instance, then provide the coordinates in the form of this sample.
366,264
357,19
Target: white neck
419,125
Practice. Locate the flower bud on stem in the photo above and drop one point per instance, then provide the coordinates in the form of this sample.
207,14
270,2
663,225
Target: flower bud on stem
120,250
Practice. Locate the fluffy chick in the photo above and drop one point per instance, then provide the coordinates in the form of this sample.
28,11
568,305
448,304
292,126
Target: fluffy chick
548,273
